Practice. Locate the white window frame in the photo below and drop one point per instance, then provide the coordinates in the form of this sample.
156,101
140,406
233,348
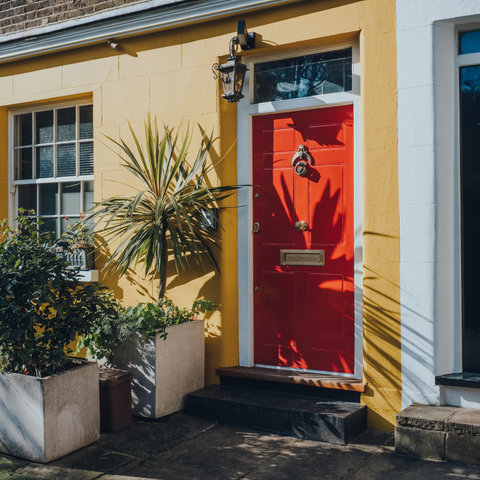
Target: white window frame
13,196
246,109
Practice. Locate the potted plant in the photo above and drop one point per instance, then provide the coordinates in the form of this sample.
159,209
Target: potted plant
79,238
49,403
164,217
164,372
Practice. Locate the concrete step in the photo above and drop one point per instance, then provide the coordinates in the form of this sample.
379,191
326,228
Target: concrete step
439,433
287,414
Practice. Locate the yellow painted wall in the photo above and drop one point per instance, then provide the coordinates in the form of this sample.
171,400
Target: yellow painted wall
169,74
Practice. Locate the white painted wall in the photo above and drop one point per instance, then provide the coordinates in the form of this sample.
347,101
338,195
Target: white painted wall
429,197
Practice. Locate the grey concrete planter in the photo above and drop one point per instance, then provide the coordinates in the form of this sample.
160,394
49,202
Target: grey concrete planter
164,371
45,418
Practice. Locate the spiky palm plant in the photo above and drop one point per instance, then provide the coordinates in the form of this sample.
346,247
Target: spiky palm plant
166,210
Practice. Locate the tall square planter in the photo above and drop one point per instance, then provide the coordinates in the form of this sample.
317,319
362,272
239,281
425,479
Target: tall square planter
164,371
42,419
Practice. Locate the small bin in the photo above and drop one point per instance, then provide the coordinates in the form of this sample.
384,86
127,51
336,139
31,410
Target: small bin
115,399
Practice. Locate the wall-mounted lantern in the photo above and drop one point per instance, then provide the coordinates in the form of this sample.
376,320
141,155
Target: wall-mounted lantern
233,72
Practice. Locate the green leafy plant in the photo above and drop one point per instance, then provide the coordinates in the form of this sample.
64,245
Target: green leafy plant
168,208
43,305
79,234
148,320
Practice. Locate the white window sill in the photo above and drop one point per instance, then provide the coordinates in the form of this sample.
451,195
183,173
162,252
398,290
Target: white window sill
88,275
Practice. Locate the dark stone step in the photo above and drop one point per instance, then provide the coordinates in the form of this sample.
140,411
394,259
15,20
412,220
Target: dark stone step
295,389
293,415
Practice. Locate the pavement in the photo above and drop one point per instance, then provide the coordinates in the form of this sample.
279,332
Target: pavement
182,447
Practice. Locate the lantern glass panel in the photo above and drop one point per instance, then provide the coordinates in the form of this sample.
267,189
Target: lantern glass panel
239,78
228,81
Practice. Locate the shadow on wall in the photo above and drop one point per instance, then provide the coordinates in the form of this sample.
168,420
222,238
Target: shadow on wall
382,345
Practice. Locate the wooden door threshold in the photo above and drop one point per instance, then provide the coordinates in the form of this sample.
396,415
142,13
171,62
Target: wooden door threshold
335,382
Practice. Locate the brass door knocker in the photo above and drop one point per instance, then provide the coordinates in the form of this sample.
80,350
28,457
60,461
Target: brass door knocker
301,167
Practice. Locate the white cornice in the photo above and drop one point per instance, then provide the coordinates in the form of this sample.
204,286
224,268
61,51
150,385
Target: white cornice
168,14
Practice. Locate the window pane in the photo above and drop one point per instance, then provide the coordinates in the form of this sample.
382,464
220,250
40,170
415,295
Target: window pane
86,122
44,127
66,124
48,199
469,42
70,201
470,189
66,160
86,158
336,81
316,74
23,164
88,196
49,225
27,197
44,162
23,129
64,223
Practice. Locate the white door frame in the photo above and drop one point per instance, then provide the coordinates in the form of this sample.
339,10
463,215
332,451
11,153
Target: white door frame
246,109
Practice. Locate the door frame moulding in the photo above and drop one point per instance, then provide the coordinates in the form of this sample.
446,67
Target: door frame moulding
246,109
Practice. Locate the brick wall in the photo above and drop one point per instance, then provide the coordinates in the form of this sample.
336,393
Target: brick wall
21,15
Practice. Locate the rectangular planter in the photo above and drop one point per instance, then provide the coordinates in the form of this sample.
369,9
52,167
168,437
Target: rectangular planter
164,371
46,418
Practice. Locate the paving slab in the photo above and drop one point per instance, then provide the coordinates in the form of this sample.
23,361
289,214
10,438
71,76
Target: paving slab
395,467
425,416
374,441
94,457
10,463
35,471
304,460
222,453
465,421
143,472
149,437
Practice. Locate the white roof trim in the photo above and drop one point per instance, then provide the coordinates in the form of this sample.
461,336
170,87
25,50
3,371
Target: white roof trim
90,31
93,17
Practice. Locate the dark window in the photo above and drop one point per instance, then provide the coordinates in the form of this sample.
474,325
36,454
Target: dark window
470,188
305,76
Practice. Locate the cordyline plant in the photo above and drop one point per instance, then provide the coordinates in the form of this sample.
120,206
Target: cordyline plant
167,209
43,304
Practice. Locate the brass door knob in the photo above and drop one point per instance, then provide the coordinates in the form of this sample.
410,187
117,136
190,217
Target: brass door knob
301,226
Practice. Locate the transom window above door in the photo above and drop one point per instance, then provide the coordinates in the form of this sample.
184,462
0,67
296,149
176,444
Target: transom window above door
303,76
52,162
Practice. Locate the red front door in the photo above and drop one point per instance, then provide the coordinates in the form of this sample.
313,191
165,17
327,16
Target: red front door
304,315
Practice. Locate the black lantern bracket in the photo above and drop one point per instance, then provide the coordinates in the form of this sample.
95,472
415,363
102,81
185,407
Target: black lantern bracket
233,72
246,39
